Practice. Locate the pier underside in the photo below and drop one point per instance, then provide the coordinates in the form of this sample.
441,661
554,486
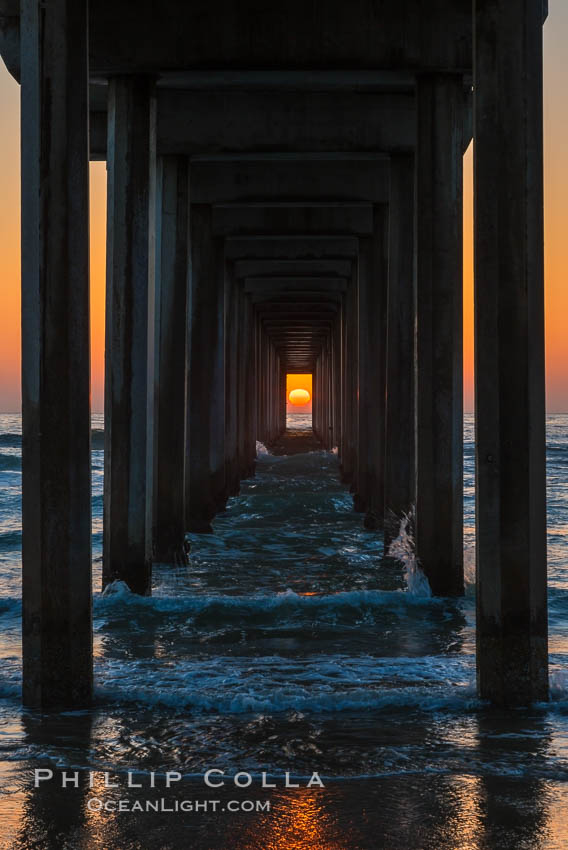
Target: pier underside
284,197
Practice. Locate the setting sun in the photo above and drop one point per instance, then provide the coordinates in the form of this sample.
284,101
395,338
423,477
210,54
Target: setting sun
299,397
299,393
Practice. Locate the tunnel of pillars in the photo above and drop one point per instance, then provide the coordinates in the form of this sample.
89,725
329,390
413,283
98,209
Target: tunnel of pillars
284,193
289,316
294,314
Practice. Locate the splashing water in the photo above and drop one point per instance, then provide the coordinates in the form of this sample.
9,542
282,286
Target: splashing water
118,589
402,549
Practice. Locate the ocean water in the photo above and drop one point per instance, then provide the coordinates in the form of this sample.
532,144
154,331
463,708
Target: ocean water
291,644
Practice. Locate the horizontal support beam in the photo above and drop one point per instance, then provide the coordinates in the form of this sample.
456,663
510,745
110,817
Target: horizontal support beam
297,325
294,296
291,247
245,41
308,289
292,268
293,219
299,314
290,179
282,281
307,341
203,122
305,336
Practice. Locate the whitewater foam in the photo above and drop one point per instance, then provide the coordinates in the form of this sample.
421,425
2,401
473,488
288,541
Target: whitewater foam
403,549
117,596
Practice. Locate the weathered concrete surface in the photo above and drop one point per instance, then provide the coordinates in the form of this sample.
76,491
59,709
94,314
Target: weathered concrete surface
367,35
243,367
56,462
293,219
243,121
129,402
374,326
400,438
293,36
231,384
349,377
292,268
439,333
279,177
512,650
302,247
172,290
205,479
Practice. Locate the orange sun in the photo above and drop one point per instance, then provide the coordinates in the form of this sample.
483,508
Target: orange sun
299,397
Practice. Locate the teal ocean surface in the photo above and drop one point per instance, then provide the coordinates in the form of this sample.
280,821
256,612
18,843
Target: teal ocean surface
290,644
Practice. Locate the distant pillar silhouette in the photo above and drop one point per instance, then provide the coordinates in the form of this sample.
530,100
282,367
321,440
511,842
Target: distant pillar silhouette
328,428
349,377
399,418
56,463
316,415
261,385
282,391
366,338
129,349
336,380
342,444
439,298
250,390
273,390
172,285
509,319
243,367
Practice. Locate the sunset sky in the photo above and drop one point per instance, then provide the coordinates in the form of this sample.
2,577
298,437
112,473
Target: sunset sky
296,381
556,227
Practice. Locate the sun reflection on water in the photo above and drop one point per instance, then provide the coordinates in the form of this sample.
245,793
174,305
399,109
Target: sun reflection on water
298,821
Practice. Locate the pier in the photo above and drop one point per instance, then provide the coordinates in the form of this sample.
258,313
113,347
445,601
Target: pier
284,196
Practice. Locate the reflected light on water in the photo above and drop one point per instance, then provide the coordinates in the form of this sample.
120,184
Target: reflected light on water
12,800
99,825
296,822
465,825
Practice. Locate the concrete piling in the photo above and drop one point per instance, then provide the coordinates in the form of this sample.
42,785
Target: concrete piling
56,473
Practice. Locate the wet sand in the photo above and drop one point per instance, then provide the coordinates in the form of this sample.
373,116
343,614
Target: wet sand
414,812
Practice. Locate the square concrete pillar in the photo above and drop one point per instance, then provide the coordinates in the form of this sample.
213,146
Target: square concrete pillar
129,343
206,401
350,418
512,655
250,435
172,300
231,382
243,375
372,360
400,435
439,332
56,462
